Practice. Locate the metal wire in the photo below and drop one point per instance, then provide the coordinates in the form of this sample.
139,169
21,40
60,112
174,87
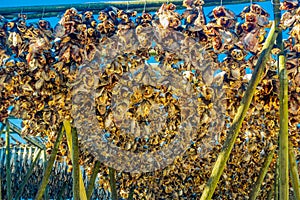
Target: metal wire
276,4
43,13
145,3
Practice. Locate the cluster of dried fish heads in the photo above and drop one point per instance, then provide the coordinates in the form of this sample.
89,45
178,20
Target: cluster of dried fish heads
40,66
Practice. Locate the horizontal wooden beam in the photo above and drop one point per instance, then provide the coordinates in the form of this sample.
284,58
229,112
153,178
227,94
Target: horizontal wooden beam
55,10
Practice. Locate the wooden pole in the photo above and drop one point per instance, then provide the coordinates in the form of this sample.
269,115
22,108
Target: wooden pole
50,163
91,185
239,117
151,5
112,182
7,160
256,186
28,174
88,6
29,139
294,172
68,128
46,193
59,14
283,111
75,164
283,132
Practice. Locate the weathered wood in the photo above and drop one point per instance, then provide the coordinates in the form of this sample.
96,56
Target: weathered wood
29,139
68,128
91,185
239,117
283,132
294,172
55,10
50,163
283,112
75,164
256,186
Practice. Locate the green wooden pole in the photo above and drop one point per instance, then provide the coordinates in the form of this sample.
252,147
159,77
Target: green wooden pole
151,5
59,14
69,134
282,177
75,164
112,182
28,174
256,186
49,166
283,132
88,6
7,160
91,185
239,117
294,172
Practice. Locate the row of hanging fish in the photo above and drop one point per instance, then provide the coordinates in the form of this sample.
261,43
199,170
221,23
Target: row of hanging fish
22,158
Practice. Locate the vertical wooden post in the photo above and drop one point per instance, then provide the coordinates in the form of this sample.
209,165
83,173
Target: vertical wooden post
283,132
283,183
